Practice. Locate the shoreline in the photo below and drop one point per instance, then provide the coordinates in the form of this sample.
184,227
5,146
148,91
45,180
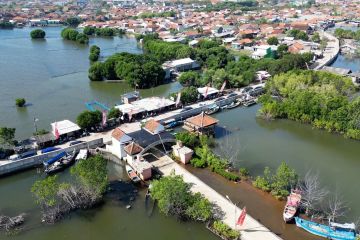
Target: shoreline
260,205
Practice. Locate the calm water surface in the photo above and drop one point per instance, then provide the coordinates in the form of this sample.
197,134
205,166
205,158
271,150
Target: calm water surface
110,221
51,75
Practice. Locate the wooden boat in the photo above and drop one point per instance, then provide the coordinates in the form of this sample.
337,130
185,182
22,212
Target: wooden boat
62,163
292,205
132,174
83,153
233,105
334,231
249,103
212,109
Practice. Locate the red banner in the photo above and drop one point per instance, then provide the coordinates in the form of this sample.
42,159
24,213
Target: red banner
241,218
57,134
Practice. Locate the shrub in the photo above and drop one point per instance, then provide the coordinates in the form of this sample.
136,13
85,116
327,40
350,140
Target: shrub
244,173
198,163
224,230
188,139
262,183
20,102
228,175
37,33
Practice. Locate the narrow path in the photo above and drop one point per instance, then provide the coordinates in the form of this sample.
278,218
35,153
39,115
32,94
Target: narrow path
251,230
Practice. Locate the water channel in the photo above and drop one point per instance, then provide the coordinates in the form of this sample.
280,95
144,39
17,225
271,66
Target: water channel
52,76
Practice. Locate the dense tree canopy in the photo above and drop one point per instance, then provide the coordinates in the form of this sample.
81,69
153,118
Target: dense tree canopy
104,32
94,53
114,113
73,35
88,30
7,136
73,21
88,119
189,78
297,34
319,98
175,199
342,33
37,33
273,41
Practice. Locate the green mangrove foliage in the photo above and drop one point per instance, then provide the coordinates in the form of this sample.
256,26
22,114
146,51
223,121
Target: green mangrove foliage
58,198
20,102
141,71
7,136
73,35
224,230
37,34
175,198
89,119
319,98
280,183
348,34
205,157
114,113
94,53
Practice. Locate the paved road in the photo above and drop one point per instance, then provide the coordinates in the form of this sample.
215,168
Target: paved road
251,230
331,51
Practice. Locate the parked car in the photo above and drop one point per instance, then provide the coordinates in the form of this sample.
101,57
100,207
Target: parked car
231,95
75,142
219,99
246,89
185,109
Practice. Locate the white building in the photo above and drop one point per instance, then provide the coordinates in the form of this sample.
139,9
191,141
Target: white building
119,140
179,65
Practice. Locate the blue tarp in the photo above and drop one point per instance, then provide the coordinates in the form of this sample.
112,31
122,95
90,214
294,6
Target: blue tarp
54,159
49,149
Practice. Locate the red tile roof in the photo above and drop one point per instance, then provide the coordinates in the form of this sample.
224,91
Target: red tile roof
202,120
133,148
117,134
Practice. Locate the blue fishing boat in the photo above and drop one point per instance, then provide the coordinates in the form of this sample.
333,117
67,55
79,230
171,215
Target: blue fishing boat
54,159
334,231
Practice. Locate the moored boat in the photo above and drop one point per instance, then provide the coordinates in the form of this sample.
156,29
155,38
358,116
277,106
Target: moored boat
249,103
233,104
334,231
292,205
212,109
132,174
83,153
62,163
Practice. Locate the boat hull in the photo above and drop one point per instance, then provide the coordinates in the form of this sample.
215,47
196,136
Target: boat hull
323,230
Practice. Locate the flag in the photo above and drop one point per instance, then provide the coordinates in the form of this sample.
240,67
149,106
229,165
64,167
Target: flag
241,218
104,118
57,134
223,86
130,114
178,99
206,91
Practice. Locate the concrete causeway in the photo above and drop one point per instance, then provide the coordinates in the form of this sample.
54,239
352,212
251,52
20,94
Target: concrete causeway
251,230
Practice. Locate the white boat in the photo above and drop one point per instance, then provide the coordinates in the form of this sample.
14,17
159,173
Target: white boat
292,205
83,154
132,174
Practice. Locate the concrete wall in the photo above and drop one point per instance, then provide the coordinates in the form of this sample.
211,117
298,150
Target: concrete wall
33,161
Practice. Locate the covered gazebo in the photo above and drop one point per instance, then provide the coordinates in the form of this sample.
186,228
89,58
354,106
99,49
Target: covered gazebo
201,124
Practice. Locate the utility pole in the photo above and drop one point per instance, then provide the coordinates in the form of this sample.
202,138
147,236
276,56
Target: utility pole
228,198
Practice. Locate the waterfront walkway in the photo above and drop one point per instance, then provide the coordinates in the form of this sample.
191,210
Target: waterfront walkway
330,53
251,230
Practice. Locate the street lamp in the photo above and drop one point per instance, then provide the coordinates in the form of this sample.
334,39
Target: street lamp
228,198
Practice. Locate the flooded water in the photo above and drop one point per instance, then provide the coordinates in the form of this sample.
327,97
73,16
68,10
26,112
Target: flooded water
111,221
260,144
51,75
